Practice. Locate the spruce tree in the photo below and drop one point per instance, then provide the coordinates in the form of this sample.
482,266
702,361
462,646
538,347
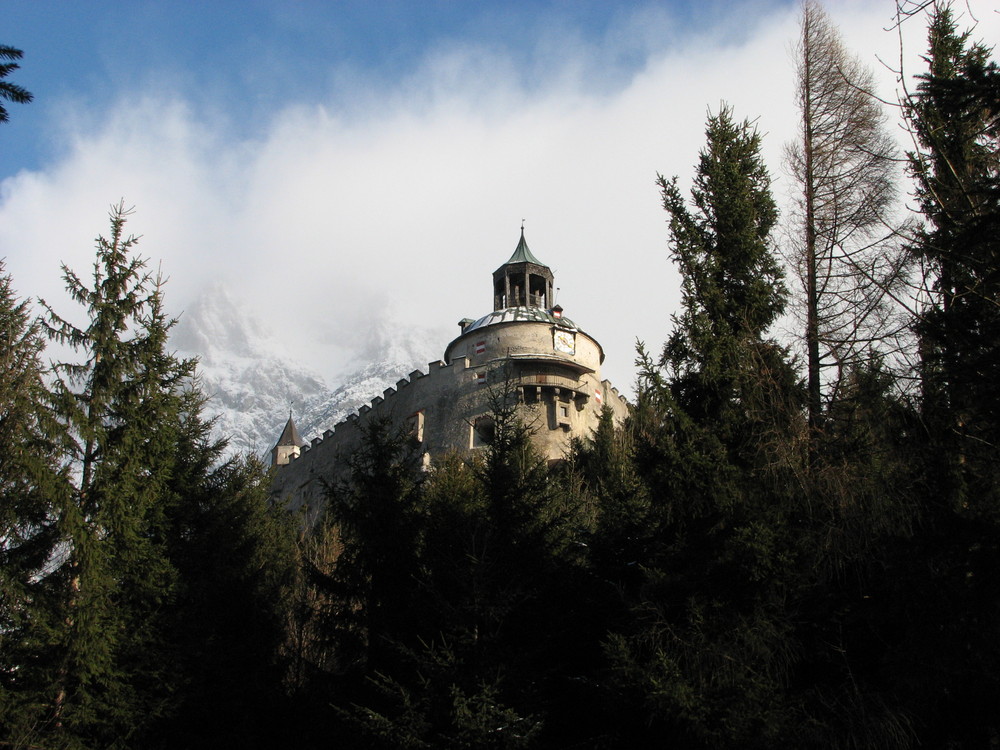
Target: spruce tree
169,586
620,531
375,512
490,646
225,629
365,608
9,91
30,482
530,627
120,411
706,660
955,164
946,585
720,387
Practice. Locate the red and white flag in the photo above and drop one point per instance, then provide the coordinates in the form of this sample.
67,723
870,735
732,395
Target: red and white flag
481,378
480,347
598,397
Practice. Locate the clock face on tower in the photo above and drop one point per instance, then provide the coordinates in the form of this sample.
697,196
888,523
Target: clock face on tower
564,341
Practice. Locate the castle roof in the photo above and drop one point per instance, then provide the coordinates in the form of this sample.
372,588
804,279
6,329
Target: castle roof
516,316
522,254
290,435
520,314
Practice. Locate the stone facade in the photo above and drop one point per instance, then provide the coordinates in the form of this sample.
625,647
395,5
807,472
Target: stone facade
526,349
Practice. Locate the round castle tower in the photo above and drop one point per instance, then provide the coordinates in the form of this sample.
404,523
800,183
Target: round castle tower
525,349
528,344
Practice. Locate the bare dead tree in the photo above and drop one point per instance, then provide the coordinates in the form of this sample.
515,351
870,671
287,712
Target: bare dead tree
844,247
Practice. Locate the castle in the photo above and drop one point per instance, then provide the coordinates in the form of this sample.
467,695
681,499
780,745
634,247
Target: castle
525,347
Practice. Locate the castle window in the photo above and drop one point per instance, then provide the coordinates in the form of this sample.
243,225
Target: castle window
560,414
415,426
483,431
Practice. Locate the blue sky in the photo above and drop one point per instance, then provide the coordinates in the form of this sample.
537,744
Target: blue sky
368,164
250,58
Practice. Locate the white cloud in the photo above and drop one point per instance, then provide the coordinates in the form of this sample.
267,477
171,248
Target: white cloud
409,198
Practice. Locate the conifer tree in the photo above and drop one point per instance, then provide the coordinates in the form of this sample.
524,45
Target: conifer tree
955,163
530,627
718,373
375,512
493,627
767,606
29,540
10,91
120,411
706,660
145,584
621,528
370,614
167,592
225,627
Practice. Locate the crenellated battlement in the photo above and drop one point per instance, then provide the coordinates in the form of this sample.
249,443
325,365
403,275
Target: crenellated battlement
412,395
382,405
607,384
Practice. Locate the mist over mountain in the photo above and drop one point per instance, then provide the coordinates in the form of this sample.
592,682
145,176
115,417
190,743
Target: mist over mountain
254,377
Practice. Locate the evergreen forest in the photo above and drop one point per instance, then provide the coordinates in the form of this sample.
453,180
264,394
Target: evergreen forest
793,541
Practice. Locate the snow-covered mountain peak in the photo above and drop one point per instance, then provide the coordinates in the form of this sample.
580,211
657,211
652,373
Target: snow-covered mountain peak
253,377
215,323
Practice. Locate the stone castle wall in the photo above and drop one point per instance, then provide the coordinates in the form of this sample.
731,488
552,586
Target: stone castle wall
560,392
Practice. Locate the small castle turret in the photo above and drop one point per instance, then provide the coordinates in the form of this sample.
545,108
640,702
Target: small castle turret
289,445
523,281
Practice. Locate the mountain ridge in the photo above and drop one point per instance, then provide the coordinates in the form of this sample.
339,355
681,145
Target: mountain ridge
253,381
